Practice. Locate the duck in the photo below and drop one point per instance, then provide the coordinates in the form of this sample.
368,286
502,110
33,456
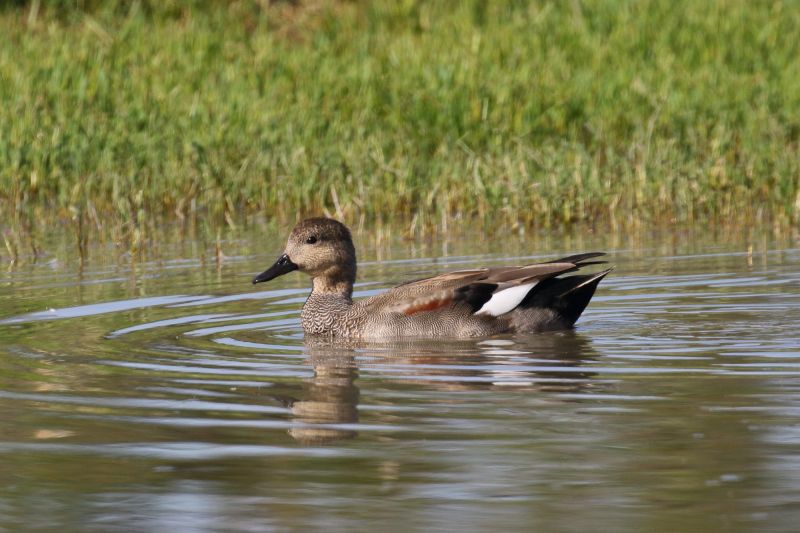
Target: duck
469,303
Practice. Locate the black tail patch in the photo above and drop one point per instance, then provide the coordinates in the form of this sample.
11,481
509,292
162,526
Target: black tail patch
475,294
567,296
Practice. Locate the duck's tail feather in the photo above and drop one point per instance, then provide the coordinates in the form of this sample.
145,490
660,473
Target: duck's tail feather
567,296
580,259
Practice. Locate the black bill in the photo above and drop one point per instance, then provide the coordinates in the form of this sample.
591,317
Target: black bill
282,266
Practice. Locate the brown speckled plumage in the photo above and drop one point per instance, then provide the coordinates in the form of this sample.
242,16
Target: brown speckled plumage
456,304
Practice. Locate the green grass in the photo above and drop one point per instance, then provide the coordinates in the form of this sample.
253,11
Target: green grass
120,115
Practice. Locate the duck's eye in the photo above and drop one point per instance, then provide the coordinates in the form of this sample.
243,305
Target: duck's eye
311,240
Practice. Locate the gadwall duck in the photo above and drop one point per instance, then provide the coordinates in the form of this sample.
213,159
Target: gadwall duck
466,303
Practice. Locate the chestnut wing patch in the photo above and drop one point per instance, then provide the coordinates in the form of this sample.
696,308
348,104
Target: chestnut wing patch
427,304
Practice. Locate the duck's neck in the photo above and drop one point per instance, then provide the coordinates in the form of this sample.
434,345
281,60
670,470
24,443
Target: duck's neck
336,282
328,305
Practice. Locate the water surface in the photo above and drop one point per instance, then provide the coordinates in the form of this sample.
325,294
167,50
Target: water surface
172,395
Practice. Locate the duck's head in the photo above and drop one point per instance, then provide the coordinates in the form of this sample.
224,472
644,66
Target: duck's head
320,247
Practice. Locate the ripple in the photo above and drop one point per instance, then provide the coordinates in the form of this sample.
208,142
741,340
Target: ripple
175,451
141,403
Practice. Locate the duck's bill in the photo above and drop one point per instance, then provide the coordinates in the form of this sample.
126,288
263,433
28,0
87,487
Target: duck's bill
282,266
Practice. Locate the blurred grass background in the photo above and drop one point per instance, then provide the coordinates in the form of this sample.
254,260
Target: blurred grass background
121,116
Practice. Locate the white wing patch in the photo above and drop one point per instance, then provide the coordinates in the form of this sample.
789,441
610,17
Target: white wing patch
504,301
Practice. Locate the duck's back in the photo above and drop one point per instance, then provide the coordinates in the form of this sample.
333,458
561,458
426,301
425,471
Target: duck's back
478,302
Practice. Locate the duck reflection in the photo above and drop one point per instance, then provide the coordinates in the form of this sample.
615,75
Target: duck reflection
327,406
328,399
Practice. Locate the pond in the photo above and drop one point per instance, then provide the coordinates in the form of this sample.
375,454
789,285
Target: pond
173,394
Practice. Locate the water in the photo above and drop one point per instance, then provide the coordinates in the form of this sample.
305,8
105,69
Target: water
172,395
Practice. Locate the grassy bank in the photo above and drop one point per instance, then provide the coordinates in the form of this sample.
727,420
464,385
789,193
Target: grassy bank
119,115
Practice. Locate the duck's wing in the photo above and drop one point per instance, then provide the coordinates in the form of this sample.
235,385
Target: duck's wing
487,291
